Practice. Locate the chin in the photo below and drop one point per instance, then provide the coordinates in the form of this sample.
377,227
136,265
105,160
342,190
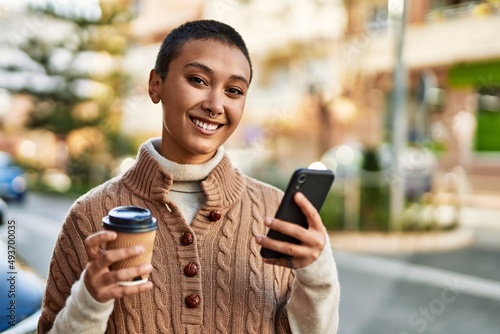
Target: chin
204,148
204,151
210,153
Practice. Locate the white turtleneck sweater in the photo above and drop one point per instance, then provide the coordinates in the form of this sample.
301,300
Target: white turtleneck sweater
186,190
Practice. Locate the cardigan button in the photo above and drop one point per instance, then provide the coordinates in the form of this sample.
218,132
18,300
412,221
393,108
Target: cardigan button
192,301
214,215
187,238
191,269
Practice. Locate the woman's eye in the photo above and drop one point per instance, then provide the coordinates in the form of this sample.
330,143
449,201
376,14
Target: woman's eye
234,91
197,80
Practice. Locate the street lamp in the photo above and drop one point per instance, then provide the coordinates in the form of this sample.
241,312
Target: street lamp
397,11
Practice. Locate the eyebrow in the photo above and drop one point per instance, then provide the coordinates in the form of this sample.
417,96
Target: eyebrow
208,70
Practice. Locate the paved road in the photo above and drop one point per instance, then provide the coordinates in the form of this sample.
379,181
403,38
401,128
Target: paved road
453,292
456,292
38,221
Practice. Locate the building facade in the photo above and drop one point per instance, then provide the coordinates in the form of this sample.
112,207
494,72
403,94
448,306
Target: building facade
452,62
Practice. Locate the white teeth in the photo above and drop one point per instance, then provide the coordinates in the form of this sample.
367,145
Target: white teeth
205,126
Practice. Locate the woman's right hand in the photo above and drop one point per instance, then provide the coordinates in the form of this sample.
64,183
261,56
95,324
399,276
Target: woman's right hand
99,280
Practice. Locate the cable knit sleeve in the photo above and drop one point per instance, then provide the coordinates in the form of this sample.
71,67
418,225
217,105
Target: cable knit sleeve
313,306
82,314
66,267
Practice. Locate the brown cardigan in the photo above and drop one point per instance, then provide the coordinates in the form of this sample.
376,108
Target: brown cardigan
238,292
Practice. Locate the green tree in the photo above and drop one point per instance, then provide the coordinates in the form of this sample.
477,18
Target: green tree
374,192
76,82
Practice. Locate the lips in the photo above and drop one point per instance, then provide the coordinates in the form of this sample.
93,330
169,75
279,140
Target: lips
204,125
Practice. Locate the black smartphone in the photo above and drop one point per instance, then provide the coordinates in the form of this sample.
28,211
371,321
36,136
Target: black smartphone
315,185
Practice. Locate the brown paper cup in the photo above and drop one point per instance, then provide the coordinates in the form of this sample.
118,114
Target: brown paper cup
124,240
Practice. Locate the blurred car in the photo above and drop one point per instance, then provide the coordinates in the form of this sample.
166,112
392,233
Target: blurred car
21,288
12,181
3,212
20,305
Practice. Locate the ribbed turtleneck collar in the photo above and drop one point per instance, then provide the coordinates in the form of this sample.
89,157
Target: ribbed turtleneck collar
149,178
184,172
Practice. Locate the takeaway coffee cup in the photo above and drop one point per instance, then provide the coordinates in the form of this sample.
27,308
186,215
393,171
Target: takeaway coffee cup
134,226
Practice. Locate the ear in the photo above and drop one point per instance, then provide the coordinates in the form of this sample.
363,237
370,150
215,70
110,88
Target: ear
154,86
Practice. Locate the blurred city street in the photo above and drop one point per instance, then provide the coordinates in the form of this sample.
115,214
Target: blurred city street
381,92
439,292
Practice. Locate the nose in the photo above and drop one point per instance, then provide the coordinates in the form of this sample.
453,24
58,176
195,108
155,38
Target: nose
213,103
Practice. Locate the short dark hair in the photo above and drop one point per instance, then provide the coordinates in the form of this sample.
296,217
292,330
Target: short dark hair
197,30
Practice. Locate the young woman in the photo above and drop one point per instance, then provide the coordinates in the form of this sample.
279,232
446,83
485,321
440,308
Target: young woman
207,275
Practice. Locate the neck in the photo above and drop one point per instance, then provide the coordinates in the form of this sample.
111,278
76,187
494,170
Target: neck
185,172
170,149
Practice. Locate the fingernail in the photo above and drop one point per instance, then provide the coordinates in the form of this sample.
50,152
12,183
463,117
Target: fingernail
268,221
147,266
259,238
140,249
112,234
299,195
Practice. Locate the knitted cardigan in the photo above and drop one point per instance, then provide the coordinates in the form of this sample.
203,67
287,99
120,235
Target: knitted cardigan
238,292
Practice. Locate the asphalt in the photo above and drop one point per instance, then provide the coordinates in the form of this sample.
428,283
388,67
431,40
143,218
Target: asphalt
453,289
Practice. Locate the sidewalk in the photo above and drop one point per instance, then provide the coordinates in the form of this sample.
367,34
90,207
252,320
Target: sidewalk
481,214
479,225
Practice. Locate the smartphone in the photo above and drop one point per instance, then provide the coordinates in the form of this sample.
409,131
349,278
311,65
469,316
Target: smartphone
315,185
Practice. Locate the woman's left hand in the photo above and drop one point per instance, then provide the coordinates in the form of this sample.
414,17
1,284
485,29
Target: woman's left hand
312,240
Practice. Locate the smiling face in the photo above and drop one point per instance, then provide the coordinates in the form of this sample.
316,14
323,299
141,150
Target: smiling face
208,77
